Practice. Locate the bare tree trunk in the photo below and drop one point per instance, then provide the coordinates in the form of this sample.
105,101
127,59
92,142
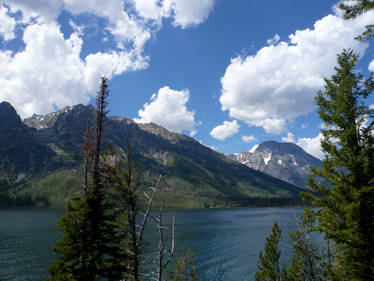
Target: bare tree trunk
165,255
139,236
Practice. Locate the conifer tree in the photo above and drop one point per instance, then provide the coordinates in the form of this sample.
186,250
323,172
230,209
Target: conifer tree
184,269
90,248
268,264
345,211
355,8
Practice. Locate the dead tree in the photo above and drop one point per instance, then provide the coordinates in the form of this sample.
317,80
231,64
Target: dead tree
127,183
165,255
308,262
139,235
126,180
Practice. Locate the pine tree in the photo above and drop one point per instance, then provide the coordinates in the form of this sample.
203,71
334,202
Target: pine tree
345,211
355,8
72,248
90,248
268,264
184,269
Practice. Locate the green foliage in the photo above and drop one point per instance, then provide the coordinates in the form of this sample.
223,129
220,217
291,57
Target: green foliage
88,249
58,187
15,190
268,264
356,7
72,247
7,175
20,200
367,34
345,212
125,180
184,269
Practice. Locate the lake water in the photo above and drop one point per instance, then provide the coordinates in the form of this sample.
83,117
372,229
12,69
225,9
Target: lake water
225,242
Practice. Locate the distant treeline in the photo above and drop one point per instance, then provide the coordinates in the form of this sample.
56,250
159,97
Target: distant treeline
28,200
255,202
23,200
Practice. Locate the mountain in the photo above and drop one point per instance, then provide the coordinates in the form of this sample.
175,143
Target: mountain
21,148
197,176
285,161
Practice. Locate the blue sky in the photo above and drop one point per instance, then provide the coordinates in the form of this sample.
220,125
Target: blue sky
229,73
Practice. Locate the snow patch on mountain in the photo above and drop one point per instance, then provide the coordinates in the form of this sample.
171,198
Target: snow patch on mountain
285,161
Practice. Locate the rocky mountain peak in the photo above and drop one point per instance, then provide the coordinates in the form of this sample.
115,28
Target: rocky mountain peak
280,148
286,161
20,146
64,128
58,118
6,106
8,116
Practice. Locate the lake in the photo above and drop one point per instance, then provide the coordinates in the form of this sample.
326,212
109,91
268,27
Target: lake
225,242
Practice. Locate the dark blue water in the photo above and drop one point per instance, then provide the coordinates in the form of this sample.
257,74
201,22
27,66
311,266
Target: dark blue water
225,242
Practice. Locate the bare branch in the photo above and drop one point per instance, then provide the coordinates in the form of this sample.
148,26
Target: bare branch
140,237
165,255
146,195
171,251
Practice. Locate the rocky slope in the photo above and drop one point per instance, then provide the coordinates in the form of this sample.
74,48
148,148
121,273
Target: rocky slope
196,175
285,161
21,148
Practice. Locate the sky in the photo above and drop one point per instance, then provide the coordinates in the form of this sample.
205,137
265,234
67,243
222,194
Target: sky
230,74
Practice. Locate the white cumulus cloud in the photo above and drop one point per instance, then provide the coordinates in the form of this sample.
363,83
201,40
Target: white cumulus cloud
227,129
185,13
51,71
271,125
168,109
190,12
250,138
312,145
41,10
40,78
279,82
122,25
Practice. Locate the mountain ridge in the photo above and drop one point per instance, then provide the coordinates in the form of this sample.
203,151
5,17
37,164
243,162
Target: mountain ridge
199,175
